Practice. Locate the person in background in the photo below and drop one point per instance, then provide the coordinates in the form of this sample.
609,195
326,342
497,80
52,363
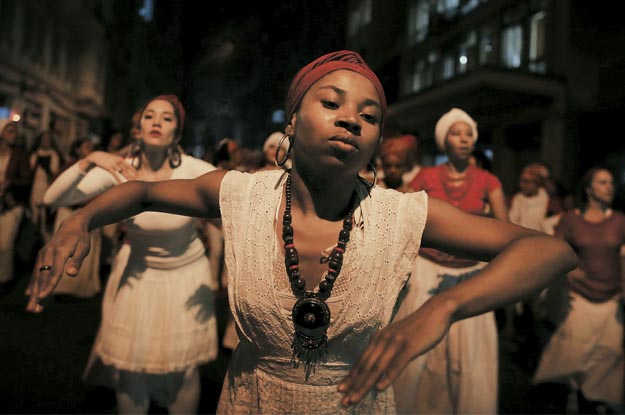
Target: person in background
586,350
270,145
317,258
112,235
396,162
158,314
87,283
460,375
115,142
410,146
45,161
250,159
227,154
560,199
15,183
529,208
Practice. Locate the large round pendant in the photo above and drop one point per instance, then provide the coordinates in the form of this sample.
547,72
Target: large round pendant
311,318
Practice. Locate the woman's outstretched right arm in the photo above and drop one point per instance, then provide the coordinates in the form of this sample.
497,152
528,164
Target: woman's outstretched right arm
64,253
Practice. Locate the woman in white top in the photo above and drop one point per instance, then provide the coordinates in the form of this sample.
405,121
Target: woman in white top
316,258
158,315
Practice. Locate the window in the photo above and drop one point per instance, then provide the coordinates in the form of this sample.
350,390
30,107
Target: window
418,77
447,8
360,16
512,46
487,46
147,11
448,65
430,70
468,6
418,20
466,53
537,42
278,116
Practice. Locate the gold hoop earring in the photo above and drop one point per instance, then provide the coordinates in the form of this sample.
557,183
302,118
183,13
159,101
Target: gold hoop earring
282,162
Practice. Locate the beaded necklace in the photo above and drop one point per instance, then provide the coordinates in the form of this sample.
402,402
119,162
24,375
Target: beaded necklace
311,314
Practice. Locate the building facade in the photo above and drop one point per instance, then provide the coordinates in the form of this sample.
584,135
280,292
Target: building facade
52,67
540,77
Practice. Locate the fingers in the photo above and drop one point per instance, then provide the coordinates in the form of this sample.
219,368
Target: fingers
123,171
46,270
377,367
116,165
126,171
78,256
52,262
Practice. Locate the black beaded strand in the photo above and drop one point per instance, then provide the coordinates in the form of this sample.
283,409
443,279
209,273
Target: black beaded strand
291,258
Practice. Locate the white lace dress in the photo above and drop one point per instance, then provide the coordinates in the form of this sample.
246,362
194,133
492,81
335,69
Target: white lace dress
383,246
158,311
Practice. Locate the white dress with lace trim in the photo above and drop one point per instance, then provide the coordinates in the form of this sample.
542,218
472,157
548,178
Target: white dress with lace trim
383,245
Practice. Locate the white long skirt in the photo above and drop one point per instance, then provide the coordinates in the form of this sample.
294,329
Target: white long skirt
154,321
458,376
586,351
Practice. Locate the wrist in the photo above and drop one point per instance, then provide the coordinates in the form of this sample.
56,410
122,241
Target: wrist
446,304
81,219
86,164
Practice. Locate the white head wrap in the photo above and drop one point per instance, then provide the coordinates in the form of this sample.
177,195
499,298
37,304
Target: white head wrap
447,120
274,139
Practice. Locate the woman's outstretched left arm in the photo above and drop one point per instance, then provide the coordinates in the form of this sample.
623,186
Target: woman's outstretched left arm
521,262
66,250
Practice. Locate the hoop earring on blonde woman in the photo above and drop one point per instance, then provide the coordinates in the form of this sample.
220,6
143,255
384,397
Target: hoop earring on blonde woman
173,154
282,162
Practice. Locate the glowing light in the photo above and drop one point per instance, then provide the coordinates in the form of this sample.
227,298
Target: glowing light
463,60
16,117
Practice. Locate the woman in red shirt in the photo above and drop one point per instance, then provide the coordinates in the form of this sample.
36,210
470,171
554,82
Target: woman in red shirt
465,363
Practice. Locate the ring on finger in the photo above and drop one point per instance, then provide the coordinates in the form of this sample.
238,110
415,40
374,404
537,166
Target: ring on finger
45,268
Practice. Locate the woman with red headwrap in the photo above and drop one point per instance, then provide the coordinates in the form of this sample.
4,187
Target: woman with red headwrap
317,258
158,314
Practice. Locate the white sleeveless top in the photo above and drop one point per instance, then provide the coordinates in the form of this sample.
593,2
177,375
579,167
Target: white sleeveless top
383,246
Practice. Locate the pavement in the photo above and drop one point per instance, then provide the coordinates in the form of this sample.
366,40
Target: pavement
42,358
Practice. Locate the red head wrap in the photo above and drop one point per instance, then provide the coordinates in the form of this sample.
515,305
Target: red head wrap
178,108
311,73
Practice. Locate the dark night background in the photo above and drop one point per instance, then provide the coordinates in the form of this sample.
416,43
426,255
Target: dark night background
256,47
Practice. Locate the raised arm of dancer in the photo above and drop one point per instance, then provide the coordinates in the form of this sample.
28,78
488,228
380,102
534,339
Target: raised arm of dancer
70,244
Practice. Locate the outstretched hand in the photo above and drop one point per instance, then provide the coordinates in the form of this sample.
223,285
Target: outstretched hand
64,254
392,348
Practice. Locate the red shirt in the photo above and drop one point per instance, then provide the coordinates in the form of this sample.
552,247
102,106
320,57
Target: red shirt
470,193
598,248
